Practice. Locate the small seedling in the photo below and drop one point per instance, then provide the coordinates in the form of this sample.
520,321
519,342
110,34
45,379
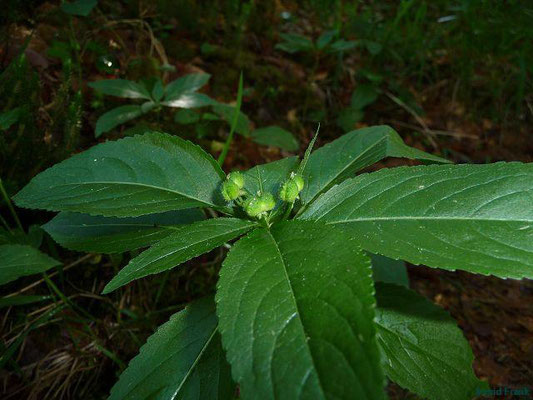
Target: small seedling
181,93
325,43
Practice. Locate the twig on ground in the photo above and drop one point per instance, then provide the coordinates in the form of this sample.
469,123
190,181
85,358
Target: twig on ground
73,264
457,135
430,135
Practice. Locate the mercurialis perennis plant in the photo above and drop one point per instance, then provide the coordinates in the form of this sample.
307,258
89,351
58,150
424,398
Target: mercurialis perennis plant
298,312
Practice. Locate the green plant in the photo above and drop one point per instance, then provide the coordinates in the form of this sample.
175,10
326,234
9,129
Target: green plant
325,43
19,250
272,135
363,95
181,93
295,312
275,136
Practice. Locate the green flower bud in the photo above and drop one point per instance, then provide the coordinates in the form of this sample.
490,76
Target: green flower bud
230,191
299,182
289,191
255,206
237,178
267,202
252,207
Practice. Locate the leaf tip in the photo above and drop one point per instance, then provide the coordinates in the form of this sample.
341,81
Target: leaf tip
110,287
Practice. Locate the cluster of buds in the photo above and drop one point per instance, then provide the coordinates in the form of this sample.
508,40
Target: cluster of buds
257,206
291,188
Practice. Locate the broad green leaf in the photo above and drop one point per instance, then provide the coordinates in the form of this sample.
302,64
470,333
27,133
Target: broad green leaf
275,136
296,307
352,152
115,117
424,349
18,260
269,177
294,43
183,360
99,234
183,244
129,177
121,88
478,218
186,84
385,269
80,8
190,100
22,300
226,112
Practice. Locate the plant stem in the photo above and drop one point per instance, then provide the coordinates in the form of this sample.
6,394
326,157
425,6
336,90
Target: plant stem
310,84
287,212
225,150
53,288
266,221
72,34
4,222
10,205
32,285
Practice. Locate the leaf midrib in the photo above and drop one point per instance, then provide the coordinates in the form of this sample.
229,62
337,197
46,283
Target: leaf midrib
422,350
131,225
137,184
426,218
28,264
197,359
186,247
293,298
